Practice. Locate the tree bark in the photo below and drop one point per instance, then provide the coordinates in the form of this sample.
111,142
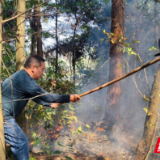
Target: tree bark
56,67
39,32
151,120
35,24
2,141
33,37
20,51
115,71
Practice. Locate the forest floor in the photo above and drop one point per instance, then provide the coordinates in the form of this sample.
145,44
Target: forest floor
88,145
91,144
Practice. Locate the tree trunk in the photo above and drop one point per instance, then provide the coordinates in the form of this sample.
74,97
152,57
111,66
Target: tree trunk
33,37
151,120
70,65
2,141
115,71
20,51
35,24
56,67
39,32
74,67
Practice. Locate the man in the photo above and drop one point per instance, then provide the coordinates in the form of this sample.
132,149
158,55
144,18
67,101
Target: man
16,91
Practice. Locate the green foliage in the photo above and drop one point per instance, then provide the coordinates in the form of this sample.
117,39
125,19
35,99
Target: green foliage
35,138
145,109
136,41
130,51
69,158
57,152
79,130
87,126
59,143
36,141
32,158
57,83
152,48
47,35
8,65
31,3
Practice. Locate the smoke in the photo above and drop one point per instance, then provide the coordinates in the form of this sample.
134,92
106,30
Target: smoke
142,33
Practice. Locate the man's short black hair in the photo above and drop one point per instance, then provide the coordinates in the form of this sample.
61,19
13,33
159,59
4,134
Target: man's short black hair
33,60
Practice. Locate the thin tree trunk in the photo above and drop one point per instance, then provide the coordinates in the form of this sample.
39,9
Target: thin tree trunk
56,68
33,37
39,32
2,141
70,65
115,71
35,24
74,67
151,120
73,49
20,51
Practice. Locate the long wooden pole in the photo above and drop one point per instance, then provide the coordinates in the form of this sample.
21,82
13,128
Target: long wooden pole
118,79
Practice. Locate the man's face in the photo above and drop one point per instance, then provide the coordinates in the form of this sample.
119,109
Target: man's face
38,71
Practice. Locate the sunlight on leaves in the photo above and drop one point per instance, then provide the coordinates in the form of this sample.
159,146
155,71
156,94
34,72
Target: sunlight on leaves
32,158
87,126
145,109
152,48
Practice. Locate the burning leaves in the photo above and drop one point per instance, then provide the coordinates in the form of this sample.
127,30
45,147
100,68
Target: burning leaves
51,135
36,138
54,134
70,135
89,140
95,136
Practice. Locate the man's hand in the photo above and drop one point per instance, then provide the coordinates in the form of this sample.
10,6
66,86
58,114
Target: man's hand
74,97
54,105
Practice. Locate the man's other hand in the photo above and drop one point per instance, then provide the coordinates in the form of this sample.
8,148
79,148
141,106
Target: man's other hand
74,97
54,105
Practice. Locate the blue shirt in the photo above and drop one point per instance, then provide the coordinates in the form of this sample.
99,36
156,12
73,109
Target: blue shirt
19,88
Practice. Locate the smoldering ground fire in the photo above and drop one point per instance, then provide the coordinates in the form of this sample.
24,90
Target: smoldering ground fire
88,142
88,137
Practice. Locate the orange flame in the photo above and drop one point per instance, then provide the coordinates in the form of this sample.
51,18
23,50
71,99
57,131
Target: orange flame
72,127
32,143
59,128
92,136
100,129
53,134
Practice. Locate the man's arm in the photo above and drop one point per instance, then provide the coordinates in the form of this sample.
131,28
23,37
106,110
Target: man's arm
32,89
73,98
51,105
39,101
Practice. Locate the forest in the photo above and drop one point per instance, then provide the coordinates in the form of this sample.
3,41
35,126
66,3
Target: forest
106,51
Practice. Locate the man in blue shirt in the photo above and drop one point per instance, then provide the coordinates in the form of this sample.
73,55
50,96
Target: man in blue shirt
16,91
